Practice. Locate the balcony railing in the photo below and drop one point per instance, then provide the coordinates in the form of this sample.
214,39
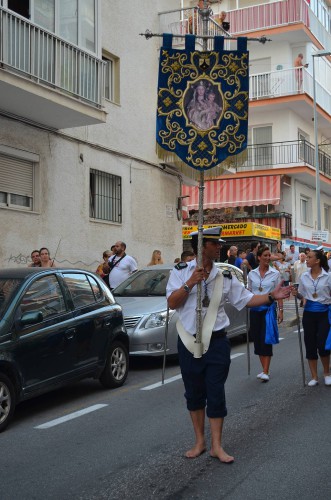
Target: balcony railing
188,21
281,155
288,82
38,54
277,14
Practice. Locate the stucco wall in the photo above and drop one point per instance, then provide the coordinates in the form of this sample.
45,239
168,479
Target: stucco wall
124,146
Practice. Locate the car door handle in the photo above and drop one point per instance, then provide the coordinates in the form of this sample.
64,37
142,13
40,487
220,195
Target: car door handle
70,333
107,322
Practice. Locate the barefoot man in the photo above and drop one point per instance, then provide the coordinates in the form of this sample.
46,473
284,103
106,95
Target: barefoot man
204,377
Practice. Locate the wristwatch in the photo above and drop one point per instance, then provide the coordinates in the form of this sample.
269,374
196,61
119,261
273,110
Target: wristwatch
186,288
271,299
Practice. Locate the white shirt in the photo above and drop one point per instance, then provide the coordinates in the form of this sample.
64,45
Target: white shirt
121,270
299,268
291,257
321,286
284,269
268,283
233,291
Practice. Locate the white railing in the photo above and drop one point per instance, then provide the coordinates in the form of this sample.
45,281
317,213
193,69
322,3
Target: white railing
288,82
188,21
42,56
268,15
275,14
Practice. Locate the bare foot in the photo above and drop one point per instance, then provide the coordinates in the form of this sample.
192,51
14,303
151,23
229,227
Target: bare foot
196,451
221,455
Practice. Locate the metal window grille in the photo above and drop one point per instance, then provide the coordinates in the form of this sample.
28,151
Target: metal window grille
105,196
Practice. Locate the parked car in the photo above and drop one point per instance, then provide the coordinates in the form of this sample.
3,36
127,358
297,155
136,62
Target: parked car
57,326
143,298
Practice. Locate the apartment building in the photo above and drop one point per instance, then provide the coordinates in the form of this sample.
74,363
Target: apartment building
274,182
78,167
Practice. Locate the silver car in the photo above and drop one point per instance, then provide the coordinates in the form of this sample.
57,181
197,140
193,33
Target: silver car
143,300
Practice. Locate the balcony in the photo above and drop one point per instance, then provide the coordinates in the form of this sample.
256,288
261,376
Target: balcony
281,155
46,80
286,83
188,21
286,14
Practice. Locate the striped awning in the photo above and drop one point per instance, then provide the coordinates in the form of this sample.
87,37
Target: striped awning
239,192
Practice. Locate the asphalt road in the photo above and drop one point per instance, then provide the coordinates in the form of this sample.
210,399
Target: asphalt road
133,446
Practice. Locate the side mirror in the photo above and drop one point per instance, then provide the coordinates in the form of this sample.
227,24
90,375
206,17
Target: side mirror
31,318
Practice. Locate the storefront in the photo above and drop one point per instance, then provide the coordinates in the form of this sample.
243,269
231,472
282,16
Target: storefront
240,234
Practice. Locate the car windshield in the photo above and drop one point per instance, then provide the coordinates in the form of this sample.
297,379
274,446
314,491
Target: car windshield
8,288
144,284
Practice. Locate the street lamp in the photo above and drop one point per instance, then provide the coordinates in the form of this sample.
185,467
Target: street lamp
319,53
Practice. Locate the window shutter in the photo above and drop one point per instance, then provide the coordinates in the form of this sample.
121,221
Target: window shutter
16,176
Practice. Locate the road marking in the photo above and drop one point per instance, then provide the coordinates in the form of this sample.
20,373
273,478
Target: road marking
233,356
70,416
177,377
158,384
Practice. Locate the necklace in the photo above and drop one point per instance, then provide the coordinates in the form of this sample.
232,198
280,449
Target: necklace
261,280
315,283
206,299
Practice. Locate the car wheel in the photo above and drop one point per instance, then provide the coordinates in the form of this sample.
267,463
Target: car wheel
117,366
7,401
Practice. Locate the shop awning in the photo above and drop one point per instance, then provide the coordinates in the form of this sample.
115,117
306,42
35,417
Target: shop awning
239,192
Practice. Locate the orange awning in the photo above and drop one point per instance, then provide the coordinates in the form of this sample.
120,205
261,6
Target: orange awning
241,192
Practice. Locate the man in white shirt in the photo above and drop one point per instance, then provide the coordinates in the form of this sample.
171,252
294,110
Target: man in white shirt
204,377
300,266
292,255
120,265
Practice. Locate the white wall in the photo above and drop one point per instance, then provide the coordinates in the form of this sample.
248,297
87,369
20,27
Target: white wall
124,146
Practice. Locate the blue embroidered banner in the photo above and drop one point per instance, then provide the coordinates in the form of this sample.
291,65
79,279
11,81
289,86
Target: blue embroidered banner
202,109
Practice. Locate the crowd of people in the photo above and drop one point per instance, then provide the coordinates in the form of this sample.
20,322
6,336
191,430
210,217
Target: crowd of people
41,258
271,278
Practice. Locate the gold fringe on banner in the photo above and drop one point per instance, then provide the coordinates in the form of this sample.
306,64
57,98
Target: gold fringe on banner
230,164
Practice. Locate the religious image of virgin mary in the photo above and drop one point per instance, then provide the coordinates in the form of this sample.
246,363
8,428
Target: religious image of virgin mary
203,110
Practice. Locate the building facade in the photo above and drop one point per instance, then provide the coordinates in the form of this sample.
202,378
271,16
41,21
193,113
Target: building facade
274,182
78,167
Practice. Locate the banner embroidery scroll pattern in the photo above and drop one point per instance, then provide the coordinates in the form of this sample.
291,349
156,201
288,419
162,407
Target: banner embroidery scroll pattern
202,111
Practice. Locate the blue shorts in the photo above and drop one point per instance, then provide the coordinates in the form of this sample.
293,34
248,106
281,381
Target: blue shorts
316,329
204,378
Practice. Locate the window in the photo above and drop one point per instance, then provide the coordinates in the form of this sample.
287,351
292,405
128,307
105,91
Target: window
112,77
261,140
327,215
304,146
17,179
80,289
105,196
44,295
95,287
305,210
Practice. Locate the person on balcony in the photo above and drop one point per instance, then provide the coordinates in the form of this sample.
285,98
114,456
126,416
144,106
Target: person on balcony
298,63
193,20
221,20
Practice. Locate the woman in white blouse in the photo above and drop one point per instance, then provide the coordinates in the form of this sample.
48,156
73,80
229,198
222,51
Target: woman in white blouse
315,287
264,279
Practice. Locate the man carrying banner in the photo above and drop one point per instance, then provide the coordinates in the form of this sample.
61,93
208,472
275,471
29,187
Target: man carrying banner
204,377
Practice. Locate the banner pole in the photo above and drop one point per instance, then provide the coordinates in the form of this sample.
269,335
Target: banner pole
198,346
247,326
299,329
